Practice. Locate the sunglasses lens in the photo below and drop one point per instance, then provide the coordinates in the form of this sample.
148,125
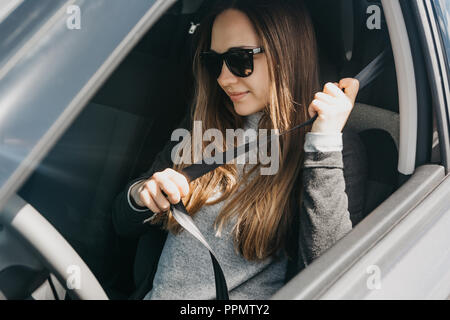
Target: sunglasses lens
240,63
213,63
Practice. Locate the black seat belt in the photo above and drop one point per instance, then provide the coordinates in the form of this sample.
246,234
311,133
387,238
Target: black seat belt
197,170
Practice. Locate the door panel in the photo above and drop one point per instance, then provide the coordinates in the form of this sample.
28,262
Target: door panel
325,273
411,262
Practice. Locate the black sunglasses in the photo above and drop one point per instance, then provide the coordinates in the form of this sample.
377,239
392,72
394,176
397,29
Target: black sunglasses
238,60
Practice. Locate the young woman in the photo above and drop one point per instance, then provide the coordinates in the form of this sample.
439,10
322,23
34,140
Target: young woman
256,67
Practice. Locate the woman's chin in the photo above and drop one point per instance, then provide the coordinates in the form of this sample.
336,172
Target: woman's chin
240,112
243,110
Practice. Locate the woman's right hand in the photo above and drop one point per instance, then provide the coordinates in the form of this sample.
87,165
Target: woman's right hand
333,106
150,193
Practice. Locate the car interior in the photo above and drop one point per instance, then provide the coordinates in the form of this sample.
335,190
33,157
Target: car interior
118,134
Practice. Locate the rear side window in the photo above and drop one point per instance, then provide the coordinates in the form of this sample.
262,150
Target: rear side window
442,10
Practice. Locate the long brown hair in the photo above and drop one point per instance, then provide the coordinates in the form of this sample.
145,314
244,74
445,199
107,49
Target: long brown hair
262,211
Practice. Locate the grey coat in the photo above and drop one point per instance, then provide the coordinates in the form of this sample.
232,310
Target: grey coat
329,180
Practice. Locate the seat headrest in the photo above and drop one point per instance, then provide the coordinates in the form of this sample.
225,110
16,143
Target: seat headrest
334,24
191,6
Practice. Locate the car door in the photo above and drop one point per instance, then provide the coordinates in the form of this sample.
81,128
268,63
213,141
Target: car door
48,72
400,251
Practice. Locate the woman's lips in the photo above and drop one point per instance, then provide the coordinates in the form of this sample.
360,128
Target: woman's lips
238,96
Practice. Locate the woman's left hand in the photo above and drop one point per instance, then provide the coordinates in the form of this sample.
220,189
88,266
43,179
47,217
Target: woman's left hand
333,106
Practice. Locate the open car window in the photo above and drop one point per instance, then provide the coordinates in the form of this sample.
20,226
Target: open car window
131,117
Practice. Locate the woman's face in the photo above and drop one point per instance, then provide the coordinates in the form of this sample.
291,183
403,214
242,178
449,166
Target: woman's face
231,29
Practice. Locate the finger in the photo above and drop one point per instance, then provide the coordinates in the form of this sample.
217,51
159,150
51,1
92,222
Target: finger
169,188
181,182
324,97
333,90
319,104
148,201
317,107
157,196
351,88
311,111
337,85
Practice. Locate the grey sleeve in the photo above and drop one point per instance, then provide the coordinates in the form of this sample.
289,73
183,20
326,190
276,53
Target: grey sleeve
324,216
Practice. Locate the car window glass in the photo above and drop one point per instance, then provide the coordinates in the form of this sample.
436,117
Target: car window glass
442,9
8,6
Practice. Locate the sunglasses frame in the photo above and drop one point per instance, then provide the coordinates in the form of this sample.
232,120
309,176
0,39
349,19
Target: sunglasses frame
225,56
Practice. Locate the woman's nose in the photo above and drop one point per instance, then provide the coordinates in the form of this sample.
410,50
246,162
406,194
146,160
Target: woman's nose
226,77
